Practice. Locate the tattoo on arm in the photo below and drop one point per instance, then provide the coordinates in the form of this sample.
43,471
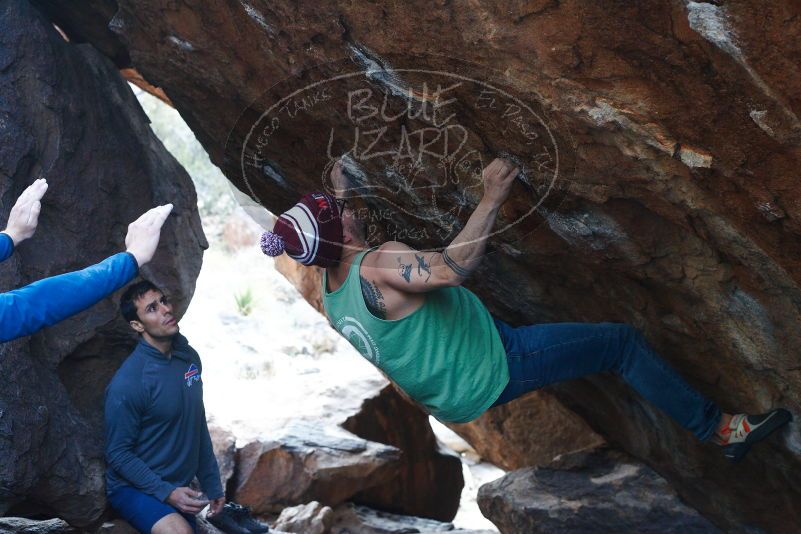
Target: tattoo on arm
373,298
405,270
455,267
422,266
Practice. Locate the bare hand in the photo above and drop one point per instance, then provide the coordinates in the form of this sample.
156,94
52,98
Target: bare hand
499,176
216,506
187,500
144,232
339,180
24,216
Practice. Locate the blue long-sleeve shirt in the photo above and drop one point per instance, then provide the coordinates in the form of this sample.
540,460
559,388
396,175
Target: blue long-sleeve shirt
156,433
6,246
45,302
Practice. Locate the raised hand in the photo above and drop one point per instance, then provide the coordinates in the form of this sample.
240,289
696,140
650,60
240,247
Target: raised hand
24,216
144,233
499,176
339,180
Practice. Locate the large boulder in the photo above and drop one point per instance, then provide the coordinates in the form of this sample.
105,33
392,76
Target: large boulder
531,430
364,443
305,462
602,491
660,145
430,480
66,114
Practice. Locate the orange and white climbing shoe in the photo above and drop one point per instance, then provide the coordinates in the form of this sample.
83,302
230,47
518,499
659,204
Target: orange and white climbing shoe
746,430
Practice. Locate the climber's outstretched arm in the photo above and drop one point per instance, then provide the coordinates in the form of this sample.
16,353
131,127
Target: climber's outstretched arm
405,269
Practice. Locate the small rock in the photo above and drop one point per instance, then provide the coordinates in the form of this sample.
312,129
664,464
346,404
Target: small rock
311,518
117,526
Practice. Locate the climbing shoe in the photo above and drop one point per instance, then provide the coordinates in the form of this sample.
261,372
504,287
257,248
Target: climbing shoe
237,519
746,430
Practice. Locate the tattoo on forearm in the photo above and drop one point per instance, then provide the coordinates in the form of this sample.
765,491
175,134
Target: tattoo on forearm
423,266
373,298
405,270
455,267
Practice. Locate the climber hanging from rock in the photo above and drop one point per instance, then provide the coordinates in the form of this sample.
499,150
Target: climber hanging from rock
46,302
407,312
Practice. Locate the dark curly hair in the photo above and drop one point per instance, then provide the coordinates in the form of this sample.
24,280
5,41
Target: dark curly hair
133,293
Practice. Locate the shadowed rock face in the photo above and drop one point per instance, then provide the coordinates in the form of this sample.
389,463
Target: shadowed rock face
601,492
66,114
430,479
224,444
675,207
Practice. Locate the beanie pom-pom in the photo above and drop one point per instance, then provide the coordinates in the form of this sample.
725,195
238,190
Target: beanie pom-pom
272,244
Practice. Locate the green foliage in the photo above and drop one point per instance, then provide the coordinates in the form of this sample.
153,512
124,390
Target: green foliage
244,302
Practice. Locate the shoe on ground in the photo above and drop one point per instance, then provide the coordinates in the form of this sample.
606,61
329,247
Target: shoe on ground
237,519
746,430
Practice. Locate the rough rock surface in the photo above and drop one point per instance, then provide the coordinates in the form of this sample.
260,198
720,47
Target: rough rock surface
366,444
18,525
430,480
204,527
531,430
674,207
116,526
350,519
309,462
310,518
307,280
66,114
224,444
597,492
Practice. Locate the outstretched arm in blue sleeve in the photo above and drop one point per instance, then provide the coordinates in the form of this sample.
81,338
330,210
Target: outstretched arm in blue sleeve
46,302
6,246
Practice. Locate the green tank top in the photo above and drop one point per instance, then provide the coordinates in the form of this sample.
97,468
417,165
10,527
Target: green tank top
447,355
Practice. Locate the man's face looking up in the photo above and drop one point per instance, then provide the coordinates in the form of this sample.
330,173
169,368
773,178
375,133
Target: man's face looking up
154,311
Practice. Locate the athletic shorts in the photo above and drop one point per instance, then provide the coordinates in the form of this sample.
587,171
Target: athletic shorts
141,510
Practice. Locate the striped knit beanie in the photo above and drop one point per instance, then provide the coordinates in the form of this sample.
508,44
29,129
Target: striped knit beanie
310,232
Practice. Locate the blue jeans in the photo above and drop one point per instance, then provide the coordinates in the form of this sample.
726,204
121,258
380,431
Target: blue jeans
543,354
